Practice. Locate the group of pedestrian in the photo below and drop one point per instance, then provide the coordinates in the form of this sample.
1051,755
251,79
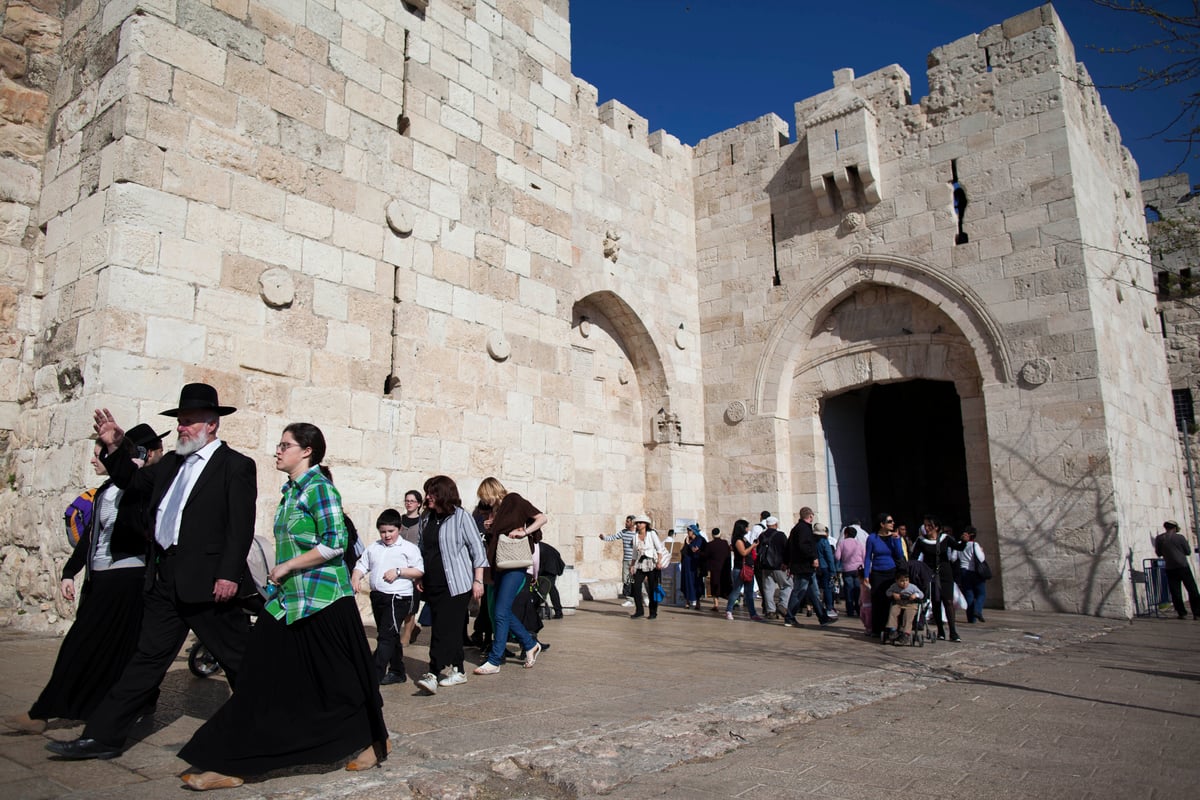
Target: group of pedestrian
165,550
805,570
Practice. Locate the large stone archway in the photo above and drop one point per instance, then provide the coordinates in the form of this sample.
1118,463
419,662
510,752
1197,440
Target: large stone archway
875,322
788,343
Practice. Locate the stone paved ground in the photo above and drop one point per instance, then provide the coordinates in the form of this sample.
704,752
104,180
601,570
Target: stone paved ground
691,705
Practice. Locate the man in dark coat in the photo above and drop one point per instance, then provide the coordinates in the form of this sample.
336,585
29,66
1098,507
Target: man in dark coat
1174,550
202,507
803,562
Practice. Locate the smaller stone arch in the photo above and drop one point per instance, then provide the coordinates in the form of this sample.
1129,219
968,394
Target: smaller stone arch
634,337
776,368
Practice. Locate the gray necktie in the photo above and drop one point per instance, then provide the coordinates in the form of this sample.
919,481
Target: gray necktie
165,535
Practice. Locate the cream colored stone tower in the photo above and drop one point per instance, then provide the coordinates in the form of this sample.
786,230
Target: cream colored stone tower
411,225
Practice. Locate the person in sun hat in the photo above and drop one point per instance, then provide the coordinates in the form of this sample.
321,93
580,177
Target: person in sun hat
202,502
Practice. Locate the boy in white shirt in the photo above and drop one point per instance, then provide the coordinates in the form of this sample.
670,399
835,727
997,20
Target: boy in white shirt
393,564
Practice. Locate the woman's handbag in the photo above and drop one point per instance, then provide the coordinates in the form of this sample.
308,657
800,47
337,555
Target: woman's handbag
746,573
513,553
982,568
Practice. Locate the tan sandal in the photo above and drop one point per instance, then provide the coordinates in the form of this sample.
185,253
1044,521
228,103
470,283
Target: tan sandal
370,757
27,724
204,781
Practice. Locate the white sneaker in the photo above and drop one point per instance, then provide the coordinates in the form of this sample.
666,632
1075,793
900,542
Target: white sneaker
453,678
627,604
428,683
729,615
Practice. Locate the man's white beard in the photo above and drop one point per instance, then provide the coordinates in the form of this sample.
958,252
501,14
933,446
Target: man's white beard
186,448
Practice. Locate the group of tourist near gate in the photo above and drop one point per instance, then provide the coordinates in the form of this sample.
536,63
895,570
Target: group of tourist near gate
411,224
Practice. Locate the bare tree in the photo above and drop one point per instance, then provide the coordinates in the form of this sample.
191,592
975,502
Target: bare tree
1178,40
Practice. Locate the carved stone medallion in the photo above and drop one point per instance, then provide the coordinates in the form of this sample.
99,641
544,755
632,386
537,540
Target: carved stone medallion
1035,372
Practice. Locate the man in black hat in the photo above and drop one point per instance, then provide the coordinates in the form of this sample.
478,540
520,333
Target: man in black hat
202,503
1174,550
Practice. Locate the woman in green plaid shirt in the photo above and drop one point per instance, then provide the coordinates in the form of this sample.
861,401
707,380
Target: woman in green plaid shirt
308,692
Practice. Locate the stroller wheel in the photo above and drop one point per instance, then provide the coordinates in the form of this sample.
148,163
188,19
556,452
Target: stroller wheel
201,662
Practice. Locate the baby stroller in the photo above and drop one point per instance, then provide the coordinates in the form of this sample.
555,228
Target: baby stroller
920,575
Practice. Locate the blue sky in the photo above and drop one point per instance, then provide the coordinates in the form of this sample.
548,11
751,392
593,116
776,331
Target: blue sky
698,67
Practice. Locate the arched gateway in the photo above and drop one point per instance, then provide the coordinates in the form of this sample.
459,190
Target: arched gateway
878,369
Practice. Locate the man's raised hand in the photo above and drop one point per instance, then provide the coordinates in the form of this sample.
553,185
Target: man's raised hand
107,429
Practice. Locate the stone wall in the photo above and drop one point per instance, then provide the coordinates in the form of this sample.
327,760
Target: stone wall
414,227
30,39
1173,226
1068,450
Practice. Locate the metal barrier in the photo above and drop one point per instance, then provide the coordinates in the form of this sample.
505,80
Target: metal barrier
1153,582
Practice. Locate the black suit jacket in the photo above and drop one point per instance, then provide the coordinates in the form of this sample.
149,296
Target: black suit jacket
217,526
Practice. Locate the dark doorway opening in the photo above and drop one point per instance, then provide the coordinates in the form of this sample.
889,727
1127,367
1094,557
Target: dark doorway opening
897,447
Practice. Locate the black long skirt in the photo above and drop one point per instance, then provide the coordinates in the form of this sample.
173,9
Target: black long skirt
307,694
96,649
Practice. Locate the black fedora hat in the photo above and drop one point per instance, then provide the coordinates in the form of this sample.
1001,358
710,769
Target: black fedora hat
142,435
198,397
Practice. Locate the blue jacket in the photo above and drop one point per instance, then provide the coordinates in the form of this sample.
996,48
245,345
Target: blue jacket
882,553
825,556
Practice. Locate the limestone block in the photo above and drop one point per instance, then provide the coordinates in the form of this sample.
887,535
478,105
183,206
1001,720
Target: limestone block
213,225
268,243
330,300
322,261
257,198
219,147
355,68
221,29
359,271
232,309
196,180
200,97
166,42
131,160
19,182
348,339
58,195
174,339
133,247
129,375
140,206
433,294
249,80
290,98
373,104
359,235
307,218
460,123
329,405
128,289
14,220
430,162
273,358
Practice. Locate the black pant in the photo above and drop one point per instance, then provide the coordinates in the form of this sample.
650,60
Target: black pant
222,627
555,601
651,579
880,579
1178,579
945,597
389,611
449,626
